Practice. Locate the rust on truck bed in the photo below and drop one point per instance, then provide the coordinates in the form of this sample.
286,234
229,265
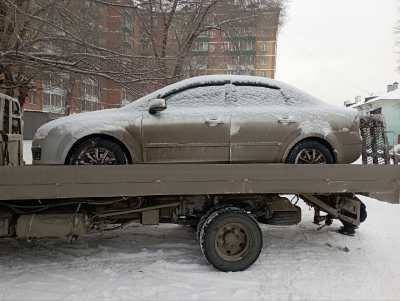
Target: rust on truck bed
65,182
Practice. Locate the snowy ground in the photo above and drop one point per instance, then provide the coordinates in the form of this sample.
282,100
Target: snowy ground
165,263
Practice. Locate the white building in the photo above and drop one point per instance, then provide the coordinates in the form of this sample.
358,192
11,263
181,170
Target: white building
389,106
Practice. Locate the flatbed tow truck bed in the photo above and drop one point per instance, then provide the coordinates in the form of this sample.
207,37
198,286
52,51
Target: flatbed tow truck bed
65,182
224,202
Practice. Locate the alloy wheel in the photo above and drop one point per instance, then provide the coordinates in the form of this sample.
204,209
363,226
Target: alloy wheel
96,156
310,156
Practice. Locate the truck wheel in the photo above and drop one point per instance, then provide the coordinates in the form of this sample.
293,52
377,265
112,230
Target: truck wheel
231,239
204,217
310,152
350,229
98,151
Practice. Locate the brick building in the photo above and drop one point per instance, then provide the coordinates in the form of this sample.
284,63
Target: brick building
50,94
249,47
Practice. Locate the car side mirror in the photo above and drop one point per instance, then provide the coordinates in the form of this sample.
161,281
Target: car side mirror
157,105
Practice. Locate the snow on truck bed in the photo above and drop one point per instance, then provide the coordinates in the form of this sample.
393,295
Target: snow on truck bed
165,263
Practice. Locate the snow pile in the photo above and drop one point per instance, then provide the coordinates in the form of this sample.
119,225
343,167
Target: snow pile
165,263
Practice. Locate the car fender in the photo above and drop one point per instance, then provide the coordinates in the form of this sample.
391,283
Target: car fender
290,143
124,136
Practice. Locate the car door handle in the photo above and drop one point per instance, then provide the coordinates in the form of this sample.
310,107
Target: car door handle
213,122
286,120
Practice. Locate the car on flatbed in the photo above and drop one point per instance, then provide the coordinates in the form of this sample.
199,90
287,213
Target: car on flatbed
206,119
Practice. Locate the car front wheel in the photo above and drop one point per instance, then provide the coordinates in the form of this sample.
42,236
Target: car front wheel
310,152
98,151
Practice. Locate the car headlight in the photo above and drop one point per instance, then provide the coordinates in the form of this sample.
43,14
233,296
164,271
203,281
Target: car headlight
36,153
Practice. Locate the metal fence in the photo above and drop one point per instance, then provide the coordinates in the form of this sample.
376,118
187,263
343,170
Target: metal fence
375,146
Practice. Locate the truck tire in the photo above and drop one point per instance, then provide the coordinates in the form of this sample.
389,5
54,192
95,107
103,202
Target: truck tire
231,239
349,229
204,217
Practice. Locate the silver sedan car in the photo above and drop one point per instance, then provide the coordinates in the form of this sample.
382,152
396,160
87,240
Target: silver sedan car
218,118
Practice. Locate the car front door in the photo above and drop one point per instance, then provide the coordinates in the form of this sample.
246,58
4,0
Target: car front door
260,124
193,128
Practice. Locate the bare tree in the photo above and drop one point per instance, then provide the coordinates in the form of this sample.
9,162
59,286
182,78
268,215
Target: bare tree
38,36
173,26
170,28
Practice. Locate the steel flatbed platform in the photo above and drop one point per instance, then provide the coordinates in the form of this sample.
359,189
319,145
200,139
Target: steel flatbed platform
67,182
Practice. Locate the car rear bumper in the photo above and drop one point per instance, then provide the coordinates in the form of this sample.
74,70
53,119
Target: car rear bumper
349,153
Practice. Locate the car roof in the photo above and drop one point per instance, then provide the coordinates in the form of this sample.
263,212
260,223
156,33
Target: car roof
209,80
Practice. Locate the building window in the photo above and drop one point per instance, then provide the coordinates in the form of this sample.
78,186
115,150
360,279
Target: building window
264,46
54,101
249,45
90,89
127,21
53,95
127,37
124,97
32,97
377,111
228,46
201,46
90,95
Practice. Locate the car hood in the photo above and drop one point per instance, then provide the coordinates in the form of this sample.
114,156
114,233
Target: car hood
77,125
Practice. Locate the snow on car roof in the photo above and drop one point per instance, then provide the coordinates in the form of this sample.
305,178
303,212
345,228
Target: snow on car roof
215,80
288,91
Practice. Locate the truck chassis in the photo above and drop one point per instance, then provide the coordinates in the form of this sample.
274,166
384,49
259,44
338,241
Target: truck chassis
224,202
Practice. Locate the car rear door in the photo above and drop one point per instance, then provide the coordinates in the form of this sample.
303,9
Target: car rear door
261,123
193,128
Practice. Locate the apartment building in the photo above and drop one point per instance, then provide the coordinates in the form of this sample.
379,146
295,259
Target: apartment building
248,48
60,94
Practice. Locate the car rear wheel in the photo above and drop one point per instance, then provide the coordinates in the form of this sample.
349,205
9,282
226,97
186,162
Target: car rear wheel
98,151
310,152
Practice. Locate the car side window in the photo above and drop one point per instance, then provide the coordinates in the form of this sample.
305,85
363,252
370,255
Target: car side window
257,95
198,96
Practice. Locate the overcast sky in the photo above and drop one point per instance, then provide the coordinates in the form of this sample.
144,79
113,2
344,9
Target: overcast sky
338,49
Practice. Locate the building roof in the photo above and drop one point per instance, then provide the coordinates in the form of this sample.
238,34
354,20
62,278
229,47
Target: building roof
393,95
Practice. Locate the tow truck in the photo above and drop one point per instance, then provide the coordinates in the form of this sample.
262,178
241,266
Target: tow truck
224,203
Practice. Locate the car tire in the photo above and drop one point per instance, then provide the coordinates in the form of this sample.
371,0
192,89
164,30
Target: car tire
98,151
310,152
231,239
